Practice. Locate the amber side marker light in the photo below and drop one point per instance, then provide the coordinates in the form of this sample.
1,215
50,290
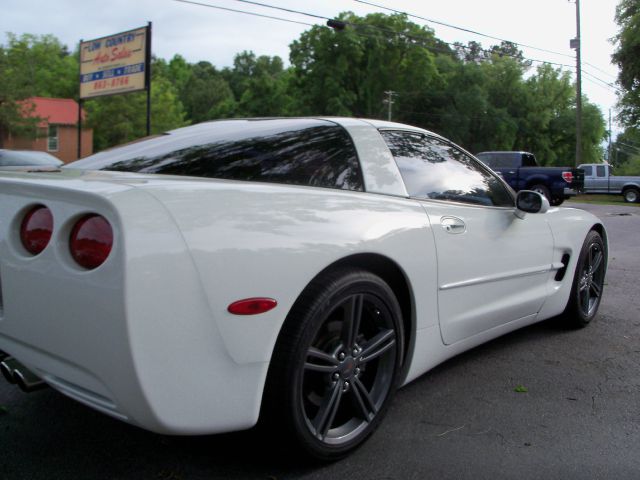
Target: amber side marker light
36,229
91,241
252,306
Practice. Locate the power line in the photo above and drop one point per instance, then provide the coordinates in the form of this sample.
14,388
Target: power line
244,12
600,70
412,37
358,26
283,9
604,83
438,22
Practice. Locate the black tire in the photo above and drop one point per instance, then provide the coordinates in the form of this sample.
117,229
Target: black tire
555,201
336,364
542,190
588,282
631,195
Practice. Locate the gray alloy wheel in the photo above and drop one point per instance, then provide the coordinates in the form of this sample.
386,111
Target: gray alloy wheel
588,282
349,367
337,363
631,195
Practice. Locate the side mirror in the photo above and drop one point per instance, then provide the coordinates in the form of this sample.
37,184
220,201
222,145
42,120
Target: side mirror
528,201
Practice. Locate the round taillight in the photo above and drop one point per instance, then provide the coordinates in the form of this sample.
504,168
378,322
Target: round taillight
36,229
91,241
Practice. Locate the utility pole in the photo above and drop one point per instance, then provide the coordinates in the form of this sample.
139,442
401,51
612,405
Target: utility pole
575,44
389,101
609,154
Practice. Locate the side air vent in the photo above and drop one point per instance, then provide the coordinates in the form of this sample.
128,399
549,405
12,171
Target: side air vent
565,263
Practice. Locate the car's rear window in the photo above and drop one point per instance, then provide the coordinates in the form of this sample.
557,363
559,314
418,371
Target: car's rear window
293,151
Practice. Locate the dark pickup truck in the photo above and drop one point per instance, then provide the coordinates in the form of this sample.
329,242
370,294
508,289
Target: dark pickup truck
521,171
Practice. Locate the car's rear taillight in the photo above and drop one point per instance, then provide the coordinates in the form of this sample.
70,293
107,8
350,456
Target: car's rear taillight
36,229
567,176
91,241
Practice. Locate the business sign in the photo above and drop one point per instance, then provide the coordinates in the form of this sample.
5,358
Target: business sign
114,64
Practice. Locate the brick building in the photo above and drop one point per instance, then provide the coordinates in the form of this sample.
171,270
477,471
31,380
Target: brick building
57,131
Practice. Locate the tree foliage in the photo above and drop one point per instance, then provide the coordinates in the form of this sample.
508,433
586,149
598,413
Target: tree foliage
348,72
627,57
32,65
118,119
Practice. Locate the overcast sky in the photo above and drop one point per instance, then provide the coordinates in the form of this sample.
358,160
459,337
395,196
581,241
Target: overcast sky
201,33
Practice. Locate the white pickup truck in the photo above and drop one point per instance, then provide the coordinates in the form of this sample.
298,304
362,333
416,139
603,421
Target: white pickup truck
598,179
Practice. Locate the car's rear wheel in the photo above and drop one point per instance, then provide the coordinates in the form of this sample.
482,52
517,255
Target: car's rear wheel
588,282
631,195
336,363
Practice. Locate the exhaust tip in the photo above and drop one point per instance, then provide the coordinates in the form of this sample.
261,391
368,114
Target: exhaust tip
16,373
28,382
7,367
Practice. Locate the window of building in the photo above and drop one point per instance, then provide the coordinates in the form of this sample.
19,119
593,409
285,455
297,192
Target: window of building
52,138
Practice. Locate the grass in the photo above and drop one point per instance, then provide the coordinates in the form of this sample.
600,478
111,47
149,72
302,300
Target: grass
602,200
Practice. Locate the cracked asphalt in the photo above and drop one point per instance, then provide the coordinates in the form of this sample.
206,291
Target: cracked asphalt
579,417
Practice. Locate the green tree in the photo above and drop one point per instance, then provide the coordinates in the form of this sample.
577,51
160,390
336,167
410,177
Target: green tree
43,65
260,85
627,57
206,94
122,118
625,152
347,72
32,65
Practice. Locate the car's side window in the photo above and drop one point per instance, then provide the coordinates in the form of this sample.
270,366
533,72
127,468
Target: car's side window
588,171
600,171
432,168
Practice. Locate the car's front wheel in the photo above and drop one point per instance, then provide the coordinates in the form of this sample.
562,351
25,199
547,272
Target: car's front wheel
336,363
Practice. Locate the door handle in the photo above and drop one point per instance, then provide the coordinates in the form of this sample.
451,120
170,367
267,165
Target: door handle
453,225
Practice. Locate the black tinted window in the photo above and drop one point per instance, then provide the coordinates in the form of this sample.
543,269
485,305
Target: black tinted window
300,152
528,160
600,171
497,160
432,168
588,171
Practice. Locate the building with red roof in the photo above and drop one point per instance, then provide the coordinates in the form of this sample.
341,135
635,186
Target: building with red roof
57,129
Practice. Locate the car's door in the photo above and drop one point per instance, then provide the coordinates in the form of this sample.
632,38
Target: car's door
493,267
602,179
596,180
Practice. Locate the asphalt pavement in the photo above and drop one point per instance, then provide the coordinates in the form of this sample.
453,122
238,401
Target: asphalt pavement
540,403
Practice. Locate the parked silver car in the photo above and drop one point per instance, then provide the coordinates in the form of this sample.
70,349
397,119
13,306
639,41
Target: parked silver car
11,159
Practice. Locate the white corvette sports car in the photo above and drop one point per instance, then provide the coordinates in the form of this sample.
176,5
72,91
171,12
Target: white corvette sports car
290,269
